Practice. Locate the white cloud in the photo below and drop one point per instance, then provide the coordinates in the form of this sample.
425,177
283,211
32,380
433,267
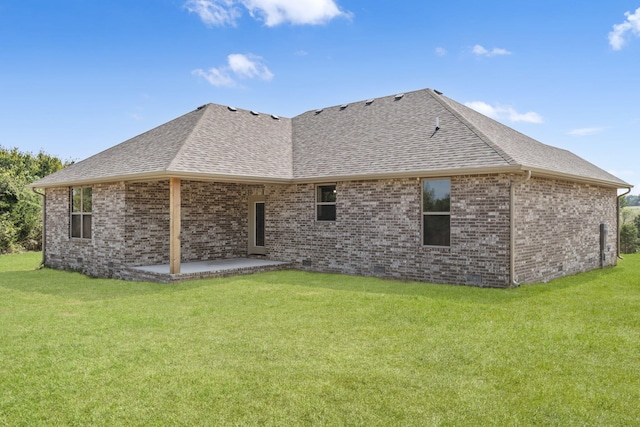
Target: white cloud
297,12
504,113
216,76
528,117
585,131
271,12
479,50
440,51
631,24
483,108
247,66
214,12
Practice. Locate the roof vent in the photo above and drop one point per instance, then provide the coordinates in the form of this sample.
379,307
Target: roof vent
232,108
319,111
369,101
255,113
201,107
274,117
399,96
438,92
344,106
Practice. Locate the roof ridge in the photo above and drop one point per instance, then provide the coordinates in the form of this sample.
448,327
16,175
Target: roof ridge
507,158
184,144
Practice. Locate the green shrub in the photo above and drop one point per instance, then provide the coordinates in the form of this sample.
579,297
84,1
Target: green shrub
7,234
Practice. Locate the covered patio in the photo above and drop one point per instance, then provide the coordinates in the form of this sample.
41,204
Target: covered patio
204,269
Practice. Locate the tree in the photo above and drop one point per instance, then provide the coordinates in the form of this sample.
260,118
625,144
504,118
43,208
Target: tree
20,208
629,241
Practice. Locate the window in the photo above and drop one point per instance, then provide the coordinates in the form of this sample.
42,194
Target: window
81,213
326,202
436,212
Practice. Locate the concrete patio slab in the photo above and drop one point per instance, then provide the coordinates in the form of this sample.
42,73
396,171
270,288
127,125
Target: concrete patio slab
204,269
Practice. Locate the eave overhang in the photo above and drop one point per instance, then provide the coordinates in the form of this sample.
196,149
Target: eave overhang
248,179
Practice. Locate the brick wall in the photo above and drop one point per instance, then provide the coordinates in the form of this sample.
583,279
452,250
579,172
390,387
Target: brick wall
558,228
214,225
99,256
378,231
214,221
147,223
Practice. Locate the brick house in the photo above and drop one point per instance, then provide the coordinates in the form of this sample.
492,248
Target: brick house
412,186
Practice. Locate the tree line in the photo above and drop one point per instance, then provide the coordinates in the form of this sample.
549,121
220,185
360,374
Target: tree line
20,207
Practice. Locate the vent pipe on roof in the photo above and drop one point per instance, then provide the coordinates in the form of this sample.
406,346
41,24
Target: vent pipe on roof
255,113
232,108
343,106
437,127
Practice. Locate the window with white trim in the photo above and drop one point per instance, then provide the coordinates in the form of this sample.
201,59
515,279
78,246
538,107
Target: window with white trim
326,202
81,201
436,212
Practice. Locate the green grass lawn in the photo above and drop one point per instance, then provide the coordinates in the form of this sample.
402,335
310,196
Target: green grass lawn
294,348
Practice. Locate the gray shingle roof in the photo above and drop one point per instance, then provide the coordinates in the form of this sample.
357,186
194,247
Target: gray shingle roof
212,141
387,136
391,136
527,152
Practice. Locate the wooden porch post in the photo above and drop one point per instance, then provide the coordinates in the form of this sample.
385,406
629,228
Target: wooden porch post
174,225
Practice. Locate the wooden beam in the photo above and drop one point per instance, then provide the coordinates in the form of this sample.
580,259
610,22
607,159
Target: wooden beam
174,225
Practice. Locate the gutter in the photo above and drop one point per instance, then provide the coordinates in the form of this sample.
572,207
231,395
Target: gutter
512,228
256,179
44,225
618,222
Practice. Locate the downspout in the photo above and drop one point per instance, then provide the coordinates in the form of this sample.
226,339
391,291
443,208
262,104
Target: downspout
44,224
618,222
512,227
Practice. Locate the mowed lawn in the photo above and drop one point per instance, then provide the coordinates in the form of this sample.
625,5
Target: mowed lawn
294,348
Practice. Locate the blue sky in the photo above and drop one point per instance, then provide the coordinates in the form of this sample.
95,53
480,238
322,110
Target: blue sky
78,76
